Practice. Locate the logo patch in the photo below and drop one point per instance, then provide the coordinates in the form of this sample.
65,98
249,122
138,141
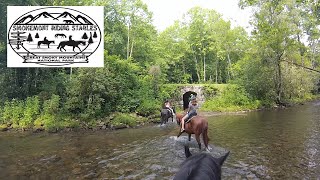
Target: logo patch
55,36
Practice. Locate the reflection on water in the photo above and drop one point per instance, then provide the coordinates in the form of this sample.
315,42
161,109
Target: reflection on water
278,144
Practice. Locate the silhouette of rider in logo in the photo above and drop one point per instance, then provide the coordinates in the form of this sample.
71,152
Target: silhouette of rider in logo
70,39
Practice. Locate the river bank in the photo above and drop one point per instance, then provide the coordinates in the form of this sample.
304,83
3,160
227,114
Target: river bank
120,121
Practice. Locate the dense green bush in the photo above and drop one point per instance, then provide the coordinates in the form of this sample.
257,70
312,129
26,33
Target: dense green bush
232,98
31,111
124,119
300,87
170,91
149,107
212,90
50,115
6,113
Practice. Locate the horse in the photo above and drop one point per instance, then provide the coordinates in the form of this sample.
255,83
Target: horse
166,114
68,21
74,44
61,35
197,126
45,42
200,166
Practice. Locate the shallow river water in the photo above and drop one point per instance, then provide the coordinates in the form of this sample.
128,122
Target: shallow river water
272,144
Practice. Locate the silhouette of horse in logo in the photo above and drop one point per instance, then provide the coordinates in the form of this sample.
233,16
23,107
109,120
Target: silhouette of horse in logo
60,35
68,21
72,43
45,41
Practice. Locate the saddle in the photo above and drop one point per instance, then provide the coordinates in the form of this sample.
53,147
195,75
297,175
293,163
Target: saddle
188,120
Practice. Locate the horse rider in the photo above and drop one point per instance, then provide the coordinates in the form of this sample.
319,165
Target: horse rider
70,38
45,39
191,111
167,105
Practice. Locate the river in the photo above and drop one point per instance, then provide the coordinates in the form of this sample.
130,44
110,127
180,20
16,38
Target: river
269,144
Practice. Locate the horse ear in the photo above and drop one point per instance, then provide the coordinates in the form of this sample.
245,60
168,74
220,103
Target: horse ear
223,158
187,151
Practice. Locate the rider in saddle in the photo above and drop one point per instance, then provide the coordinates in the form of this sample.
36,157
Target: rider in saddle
70,38
191,111
45,39
167,105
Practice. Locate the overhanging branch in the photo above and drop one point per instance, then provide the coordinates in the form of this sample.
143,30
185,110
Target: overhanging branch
302,66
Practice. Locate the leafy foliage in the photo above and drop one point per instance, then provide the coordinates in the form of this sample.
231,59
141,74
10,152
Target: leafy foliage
233,98
31,111
148,107
124,119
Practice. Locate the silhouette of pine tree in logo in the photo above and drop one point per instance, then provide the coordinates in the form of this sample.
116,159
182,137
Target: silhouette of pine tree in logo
95,35
29,39
90,39
85,36
37,35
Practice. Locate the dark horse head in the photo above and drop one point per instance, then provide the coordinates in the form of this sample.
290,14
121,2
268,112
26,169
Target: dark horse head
201,166
82,42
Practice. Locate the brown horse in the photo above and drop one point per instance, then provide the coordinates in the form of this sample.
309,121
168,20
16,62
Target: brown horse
197,125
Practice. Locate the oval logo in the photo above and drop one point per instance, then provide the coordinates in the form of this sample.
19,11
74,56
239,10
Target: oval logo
54,36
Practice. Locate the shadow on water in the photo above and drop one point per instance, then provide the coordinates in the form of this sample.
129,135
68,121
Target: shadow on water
278,144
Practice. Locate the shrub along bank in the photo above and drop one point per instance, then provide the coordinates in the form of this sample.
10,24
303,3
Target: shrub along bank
53,114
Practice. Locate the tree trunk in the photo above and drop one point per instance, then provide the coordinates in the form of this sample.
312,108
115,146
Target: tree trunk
128,43
196,64
279,81
204,67
229,68
216,72
300,49
36,79
313,52
28,81
197,69
70,73
131,47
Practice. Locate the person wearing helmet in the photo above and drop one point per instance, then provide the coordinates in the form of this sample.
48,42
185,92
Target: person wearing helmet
191,111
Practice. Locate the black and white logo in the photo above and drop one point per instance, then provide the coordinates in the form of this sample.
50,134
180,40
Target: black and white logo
55,36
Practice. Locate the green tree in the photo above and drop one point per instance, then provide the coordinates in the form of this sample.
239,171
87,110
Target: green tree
29,39
202,47
84,36
278,36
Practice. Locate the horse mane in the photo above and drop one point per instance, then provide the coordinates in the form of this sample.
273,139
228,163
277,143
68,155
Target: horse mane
200,166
